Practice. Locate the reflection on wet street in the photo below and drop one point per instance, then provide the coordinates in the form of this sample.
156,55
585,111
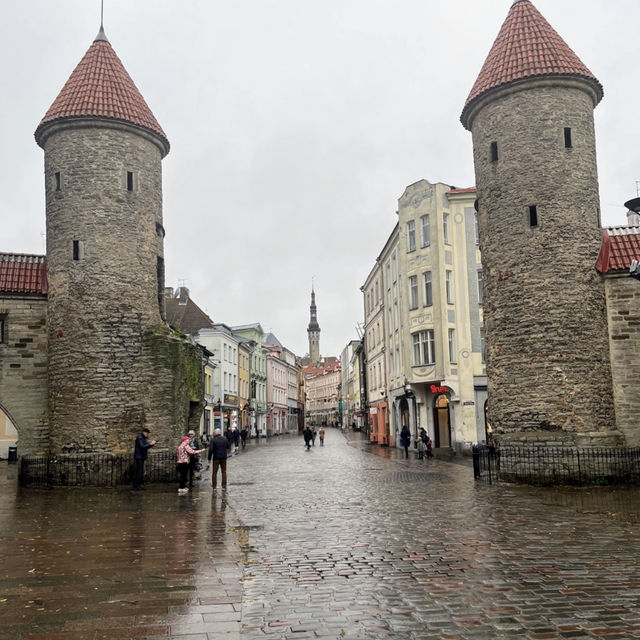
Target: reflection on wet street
336,542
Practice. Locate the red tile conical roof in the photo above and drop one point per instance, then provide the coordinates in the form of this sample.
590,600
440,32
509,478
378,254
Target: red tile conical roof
527,46
101,87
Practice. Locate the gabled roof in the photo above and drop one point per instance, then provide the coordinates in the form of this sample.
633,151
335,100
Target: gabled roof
270,339
101,87
620,245
23,273
187,318
527,46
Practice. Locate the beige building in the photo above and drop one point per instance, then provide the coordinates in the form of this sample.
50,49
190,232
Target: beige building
432,309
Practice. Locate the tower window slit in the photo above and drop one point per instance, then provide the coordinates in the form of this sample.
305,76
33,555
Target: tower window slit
129,180
494,152
533,216
58,181
76,249
567,138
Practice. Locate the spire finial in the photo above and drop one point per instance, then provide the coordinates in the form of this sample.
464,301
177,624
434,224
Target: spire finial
101,35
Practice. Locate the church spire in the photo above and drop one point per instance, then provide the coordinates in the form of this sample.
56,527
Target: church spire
313,330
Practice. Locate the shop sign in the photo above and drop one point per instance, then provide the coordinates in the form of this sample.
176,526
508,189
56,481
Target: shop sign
436,389
373,410
229,399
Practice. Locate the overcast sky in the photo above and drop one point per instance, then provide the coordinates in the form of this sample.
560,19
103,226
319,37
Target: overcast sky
295,126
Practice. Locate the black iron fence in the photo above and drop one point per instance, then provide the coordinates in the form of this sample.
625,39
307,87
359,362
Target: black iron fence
96,470
556,465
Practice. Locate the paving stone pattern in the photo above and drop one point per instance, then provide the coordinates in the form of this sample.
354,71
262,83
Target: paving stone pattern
333,543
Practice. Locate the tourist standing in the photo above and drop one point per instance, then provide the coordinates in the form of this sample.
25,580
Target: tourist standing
194,460
405,440
218,450
140,450
185,453
321,436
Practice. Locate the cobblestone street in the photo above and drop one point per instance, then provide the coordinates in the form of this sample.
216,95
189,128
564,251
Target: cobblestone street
337,542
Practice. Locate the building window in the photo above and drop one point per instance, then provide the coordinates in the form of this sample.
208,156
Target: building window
411,235
533,216
413,292
160,285
76,250
480,287
424,348
428,291
3,326
58,181
453,355
494,152
567,138
448,286
129,180
477,230
224,351
426,232
482,344
445,228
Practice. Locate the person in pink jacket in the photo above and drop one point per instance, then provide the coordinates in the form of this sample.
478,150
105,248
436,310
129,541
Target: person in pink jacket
184,451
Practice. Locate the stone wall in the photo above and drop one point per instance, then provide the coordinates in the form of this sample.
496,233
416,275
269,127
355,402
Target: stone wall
623,307
106,293
548,366
23,370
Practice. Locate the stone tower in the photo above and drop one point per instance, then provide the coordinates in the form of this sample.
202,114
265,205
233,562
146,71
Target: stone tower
313,330
531,115
113,366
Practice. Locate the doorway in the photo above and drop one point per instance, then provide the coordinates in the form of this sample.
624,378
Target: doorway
442,421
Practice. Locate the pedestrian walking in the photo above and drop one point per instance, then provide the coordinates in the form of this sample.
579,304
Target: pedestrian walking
308,437
243,436
194,460
321,436
235,436
314,433
140,451
185,453
422,447
218,450
405,440
423,435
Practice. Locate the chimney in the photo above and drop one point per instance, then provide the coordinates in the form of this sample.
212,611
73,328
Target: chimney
633,213
182,293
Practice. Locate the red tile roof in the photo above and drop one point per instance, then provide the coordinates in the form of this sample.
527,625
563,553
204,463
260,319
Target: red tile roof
620,245
101,87
527,46
464,190
20,273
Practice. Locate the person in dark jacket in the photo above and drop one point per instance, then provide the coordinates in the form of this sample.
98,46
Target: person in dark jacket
218,450
243,436
308,437
405,440
140,450
194,460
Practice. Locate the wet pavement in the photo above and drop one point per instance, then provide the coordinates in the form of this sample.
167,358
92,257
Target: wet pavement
333,543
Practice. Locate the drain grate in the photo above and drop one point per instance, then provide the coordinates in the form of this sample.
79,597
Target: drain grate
412,476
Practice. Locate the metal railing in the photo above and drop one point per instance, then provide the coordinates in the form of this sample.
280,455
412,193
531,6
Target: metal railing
556,465
96,470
